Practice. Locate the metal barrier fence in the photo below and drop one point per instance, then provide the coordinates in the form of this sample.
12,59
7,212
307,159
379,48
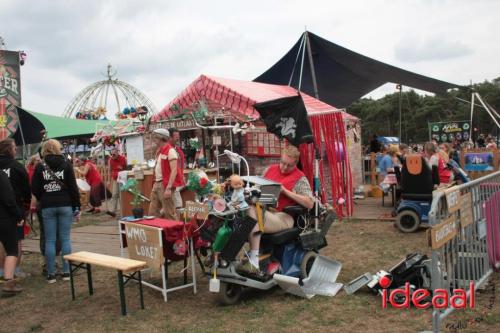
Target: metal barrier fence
458,238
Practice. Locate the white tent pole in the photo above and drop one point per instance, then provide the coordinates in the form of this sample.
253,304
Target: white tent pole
487,109
471,114
296,59
302,62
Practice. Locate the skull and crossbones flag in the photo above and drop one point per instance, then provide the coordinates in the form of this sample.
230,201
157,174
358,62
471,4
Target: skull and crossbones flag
287,118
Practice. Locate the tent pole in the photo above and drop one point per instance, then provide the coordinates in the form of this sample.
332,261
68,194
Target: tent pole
22,135
296,59
311,64
471,114
302,64
487,109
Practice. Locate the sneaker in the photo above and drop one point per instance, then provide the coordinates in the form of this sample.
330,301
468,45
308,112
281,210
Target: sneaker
51,278
96,211
91,210
111,213
65,277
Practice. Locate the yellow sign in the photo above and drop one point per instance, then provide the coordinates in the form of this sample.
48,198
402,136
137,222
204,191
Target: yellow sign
466,217
144,243
443,232
198,209
452,199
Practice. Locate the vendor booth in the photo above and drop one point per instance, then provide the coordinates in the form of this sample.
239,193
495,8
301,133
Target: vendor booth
230,105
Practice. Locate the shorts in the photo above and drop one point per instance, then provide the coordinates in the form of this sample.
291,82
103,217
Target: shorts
8,238
20,232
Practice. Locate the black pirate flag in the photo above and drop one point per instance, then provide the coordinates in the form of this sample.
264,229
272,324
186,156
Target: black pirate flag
287,118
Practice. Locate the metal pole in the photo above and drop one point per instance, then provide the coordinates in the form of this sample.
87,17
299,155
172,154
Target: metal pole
311,64
296,59
471,114
400,86
302,66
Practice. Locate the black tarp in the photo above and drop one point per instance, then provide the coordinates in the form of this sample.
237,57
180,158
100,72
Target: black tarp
343,76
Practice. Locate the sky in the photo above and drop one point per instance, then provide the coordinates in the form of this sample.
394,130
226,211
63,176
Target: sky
160,47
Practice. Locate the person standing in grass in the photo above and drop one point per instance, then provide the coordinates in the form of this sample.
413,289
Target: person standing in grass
10,217
116,164
54,186
19,181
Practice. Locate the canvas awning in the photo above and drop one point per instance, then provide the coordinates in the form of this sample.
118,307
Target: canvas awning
342,76
239,97
31,123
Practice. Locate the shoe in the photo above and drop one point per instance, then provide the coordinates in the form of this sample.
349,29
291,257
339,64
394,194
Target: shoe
65,277
91,210
96,211
51,278
11,286
111,213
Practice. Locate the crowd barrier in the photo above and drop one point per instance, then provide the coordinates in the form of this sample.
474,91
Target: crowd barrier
464,237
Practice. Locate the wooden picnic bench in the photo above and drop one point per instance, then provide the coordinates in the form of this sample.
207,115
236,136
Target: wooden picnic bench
127,269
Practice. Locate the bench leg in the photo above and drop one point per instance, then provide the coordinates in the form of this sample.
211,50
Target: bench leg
122,293
140,291
89,279
71,280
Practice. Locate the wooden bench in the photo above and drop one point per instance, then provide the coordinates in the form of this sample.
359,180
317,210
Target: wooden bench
127,269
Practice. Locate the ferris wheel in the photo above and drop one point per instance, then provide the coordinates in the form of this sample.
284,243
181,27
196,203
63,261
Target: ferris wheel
109,99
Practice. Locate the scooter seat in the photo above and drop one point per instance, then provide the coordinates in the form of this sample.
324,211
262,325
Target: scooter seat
281,237
295,210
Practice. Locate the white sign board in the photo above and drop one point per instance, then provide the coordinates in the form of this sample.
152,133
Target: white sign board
135,149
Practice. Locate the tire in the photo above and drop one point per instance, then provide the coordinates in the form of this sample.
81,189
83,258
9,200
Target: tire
229,293
407,221
307,262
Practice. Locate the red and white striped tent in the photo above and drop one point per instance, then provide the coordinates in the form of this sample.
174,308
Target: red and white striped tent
238,97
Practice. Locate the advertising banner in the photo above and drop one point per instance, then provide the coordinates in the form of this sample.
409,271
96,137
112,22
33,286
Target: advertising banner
10,92
450,131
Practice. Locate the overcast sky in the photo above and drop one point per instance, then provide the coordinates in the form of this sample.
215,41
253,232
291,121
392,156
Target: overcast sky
161,46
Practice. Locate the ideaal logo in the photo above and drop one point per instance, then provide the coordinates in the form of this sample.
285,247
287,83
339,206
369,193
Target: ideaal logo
420,298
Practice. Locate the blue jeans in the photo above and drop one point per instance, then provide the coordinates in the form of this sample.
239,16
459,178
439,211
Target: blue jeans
57,219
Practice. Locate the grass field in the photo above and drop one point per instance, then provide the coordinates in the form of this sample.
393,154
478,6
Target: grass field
360,246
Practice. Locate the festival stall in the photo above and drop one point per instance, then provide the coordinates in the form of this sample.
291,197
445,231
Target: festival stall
210,101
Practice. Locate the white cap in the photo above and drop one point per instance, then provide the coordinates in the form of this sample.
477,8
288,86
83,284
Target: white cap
162,132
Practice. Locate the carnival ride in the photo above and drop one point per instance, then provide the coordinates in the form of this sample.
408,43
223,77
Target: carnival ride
108,99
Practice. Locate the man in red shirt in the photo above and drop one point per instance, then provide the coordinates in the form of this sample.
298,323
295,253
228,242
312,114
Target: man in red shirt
181,162
94,179
295,190
167,176
116,164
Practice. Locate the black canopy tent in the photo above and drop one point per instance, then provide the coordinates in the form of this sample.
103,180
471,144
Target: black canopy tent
338,76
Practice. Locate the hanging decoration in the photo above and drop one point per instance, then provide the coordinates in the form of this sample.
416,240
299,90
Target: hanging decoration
92,114
131,112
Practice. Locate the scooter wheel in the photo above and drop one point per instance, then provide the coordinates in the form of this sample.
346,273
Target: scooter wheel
407,221
307,262
229,293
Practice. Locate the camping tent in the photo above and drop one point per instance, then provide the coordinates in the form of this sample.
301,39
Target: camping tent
32,123
339,76
238,97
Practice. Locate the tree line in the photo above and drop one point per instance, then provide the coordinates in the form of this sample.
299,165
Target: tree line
381,116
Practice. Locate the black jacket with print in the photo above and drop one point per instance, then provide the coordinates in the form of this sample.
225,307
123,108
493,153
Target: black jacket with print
51,193
19,180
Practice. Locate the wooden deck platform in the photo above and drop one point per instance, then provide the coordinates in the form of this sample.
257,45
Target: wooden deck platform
102,238
371,208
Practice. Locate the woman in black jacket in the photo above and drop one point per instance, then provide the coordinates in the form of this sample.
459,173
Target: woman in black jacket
10,216
54,186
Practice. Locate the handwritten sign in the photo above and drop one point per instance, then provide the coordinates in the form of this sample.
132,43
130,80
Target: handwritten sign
193,208
135,150
440,234
144,243
452,199
466,209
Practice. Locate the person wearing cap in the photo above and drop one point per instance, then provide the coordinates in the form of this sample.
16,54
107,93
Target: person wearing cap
167,176
116,164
